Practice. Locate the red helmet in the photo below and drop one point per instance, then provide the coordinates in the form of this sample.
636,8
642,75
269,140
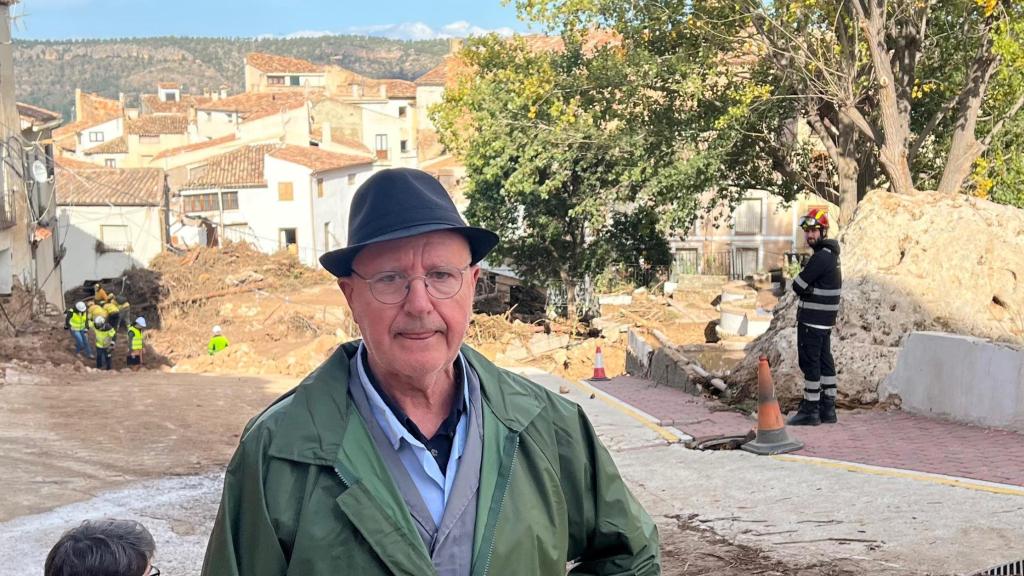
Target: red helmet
816,218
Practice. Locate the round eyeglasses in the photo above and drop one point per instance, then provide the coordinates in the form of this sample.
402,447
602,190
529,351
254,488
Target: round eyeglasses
390,287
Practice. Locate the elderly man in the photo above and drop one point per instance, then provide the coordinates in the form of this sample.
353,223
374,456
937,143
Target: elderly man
409,453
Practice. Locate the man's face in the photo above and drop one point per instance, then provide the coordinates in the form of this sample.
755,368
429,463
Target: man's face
420,335
812,236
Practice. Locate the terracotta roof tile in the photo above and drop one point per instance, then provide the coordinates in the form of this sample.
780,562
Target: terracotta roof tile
154,124
120,187
152,104
251,104
194,147
400,88
95,108
444,73
169,85
317,159
273,63
115,146
66,136
242,168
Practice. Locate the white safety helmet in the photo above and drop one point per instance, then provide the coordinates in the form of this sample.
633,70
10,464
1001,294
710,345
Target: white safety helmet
216,329
100,321
140,321
80,306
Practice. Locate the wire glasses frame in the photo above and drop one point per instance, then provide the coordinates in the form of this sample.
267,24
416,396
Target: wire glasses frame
389,287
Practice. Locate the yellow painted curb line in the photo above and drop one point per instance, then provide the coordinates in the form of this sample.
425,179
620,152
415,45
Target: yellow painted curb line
625,409
908,475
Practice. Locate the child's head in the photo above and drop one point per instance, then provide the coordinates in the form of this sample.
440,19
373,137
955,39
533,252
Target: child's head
102,548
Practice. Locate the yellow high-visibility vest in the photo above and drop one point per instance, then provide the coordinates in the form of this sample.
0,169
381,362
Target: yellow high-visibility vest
78,321
136,336
104,337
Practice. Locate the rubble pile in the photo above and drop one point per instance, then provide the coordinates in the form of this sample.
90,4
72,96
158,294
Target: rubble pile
928,262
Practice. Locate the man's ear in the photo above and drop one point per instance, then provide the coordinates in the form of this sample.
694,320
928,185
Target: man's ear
345,284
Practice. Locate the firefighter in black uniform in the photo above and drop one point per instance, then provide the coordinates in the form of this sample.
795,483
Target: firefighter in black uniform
819,286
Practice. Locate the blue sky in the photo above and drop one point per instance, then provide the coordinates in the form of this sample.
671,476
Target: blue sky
407,19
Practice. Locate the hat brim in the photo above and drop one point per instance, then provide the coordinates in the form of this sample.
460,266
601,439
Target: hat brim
481,242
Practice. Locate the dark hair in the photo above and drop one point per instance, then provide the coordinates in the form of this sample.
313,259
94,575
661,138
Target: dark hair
102,548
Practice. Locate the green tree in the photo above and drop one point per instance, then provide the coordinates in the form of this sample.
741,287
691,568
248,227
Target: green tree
908,93
551,166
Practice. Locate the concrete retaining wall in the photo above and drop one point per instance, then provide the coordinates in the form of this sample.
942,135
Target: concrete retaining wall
663,365
961,378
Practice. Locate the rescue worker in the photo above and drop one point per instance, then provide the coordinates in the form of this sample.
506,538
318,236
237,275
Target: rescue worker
217,343
99,294
135,344
112,313
77,321
819,287
104,334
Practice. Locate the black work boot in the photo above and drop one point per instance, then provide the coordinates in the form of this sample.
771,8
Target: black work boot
827,409
807,415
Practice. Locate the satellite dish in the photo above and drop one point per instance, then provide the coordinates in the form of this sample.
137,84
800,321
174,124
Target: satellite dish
39,173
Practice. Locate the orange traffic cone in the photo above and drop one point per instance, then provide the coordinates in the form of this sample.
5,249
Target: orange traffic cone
772,437
599,366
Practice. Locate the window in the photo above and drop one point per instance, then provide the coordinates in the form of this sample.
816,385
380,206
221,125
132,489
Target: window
230,200
319,187
229,116
95,136
209,116
201,203
351,179
275,80
404,144
285,191
110,163
327,236
171,97
381,145
401,111
294,81
748,216
115,238
286,237
149,139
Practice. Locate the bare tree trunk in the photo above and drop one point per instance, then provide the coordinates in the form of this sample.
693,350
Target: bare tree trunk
570,295
847,168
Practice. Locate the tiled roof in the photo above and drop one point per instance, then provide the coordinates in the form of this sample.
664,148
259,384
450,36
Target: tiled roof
317,159
120,187
400,88
194,147
250,104
92,107
115,146
444,73
278,64
242,168
152,104
169,85
154,124
36,116
66,136
339,137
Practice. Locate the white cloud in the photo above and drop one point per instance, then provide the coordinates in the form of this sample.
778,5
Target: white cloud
421,31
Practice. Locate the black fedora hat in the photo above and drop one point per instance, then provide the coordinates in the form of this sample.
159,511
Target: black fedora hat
398,203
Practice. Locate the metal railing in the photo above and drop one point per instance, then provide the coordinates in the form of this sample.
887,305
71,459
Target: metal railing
8,208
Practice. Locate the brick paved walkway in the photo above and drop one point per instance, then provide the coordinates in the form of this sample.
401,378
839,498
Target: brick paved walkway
890,439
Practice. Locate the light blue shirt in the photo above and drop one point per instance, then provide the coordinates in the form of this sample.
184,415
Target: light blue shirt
433,486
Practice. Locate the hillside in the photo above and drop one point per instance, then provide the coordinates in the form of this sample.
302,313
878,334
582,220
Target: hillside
47,72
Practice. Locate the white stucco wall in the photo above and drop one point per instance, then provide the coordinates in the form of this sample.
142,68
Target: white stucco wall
333,209
383,118
110,130
80,228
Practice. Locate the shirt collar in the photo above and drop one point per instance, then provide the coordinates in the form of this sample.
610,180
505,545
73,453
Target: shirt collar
395,423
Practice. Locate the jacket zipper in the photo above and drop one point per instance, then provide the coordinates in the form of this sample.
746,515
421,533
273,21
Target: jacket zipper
342,478
501,504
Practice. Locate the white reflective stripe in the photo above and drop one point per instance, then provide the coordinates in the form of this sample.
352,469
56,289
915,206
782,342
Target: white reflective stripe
816,306
818,326
808,385
800,282
828,380
823,292
827,249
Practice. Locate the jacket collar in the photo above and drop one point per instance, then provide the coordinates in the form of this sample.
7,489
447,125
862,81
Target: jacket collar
315,414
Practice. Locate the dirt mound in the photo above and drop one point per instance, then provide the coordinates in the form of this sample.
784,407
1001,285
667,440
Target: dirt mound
929,262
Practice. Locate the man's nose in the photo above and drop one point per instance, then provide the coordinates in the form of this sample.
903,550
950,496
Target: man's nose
418,301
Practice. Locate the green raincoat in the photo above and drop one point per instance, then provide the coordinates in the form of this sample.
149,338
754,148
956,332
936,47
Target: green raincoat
306,493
